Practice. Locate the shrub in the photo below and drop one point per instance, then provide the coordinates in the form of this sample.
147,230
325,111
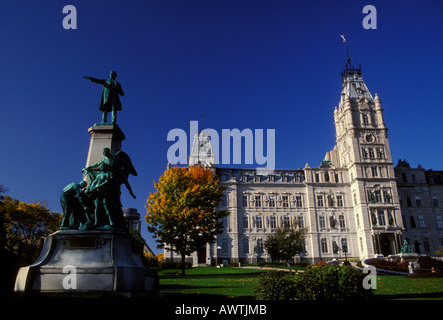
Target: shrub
330,282
427,263
322,282
394,265
275,285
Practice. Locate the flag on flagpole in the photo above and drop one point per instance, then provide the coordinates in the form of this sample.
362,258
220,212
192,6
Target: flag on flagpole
344,38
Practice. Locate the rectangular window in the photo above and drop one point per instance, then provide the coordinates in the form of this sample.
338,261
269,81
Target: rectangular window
286,221
421,220
257,201
317,177
301,223
246,246
426,244
259,222
381,218
259,246
339,201
285,201
377,196
418,201
324,246
298,201
380,153
364,153
435,201
244,201
374,171
273,222
271,201
320,200
245,222
371,153
322,222
341,220
439,222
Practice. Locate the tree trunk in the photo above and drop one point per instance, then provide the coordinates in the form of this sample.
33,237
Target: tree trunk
183,264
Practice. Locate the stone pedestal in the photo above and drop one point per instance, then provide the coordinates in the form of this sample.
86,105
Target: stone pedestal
88,262
104,136
408,256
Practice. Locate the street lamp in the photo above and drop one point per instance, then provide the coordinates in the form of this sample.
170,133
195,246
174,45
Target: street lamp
345,248
216,258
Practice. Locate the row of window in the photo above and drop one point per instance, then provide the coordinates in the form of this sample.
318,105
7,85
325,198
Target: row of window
271,201
298,177
322,200
421,222
328,177
325,246
371,153
417,201
246,246
322,221
272,222
335,248
424,242
379,196
382,217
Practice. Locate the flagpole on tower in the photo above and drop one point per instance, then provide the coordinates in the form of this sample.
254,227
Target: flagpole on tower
346,44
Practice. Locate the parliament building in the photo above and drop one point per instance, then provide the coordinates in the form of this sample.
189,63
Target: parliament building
356,204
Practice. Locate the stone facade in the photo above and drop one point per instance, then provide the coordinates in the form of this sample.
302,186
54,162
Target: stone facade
420,195
350,203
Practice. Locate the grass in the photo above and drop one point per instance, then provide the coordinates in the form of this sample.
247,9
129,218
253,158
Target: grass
399,287
240,283
231,282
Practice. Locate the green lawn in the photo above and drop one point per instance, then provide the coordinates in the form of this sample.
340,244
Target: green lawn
238,282
232,282
399,287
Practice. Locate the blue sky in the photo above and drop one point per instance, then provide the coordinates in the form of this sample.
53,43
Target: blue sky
246,64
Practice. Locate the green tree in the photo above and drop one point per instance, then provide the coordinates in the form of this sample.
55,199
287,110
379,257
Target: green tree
183,213
285,243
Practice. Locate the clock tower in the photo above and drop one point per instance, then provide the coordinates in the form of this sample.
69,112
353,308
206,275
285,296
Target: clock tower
362,148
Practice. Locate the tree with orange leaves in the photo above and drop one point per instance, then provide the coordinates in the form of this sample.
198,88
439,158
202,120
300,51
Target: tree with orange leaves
183,213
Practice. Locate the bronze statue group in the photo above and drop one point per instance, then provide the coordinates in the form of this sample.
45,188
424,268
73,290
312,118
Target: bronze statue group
97,205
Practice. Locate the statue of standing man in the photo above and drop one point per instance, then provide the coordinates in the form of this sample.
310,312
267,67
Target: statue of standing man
110,101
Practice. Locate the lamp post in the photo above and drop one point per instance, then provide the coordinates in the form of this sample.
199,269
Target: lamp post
216,258
345,249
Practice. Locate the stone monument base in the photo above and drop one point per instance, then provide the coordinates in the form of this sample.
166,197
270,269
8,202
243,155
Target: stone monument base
82,263
410,257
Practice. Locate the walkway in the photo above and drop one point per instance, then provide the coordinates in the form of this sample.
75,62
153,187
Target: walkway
270,269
